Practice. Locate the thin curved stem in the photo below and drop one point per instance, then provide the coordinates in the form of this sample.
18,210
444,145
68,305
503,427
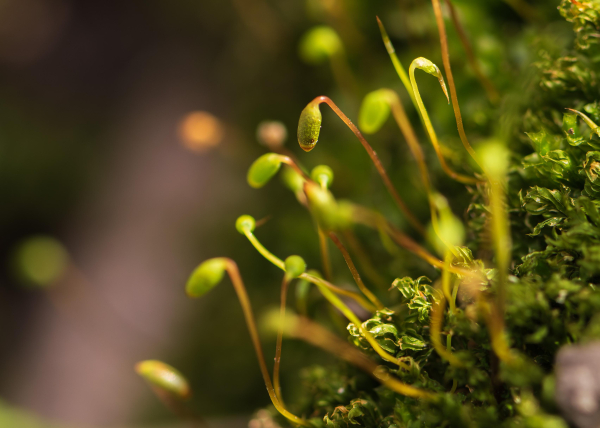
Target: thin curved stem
413,144
238,285
292,163
376,221
313,333
325,259
364,261
313,279
432,135
437,317
359,282
501,238
380,169
488,86
396,62
341,306
446,277
327,290
439,19
278,346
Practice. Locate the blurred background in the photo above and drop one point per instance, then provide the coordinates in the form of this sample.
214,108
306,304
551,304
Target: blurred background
126,131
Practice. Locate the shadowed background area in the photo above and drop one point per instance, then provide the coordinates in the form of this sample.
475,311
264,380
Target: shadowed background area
126,130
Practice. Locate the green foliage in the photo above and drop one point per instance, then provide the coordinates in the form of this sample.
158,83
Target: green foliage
481,338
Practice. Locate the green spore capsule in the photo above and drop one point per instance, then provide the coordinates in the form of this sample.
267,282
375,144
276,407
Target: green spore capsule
309,126
323,175
205,277
164,377
430,68
294,266
245,223
319,44
263,169
374,111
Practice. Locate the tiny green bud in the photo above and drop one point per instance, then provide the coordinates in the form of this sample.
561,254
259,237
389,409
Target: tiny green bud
40,260
319,43
374,111
205,277
323,175
245,223
292,180
294,266
309,126
494,157
430,68
263,169
165,378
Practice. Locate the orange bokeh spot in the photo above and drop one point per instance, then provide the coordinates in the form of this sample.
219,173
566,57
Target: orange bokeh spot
200,131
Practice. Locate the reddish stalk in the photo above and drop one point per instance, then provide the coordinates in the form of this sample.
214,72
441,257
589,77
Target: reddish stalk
364,261
380,169
446,59
240,290
359,282
490,89
316,335
276,382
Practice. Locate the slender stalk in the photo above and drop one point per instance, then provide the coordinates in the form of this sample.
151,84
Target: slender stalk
238,285
276,382
325,259
432,135
344,309
364,261
501,238
396,62
327,289
315,334
439,19
437,318
380,169
413,144
376,221
359,282
488,86
446,278
313,279
292,163
454,294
